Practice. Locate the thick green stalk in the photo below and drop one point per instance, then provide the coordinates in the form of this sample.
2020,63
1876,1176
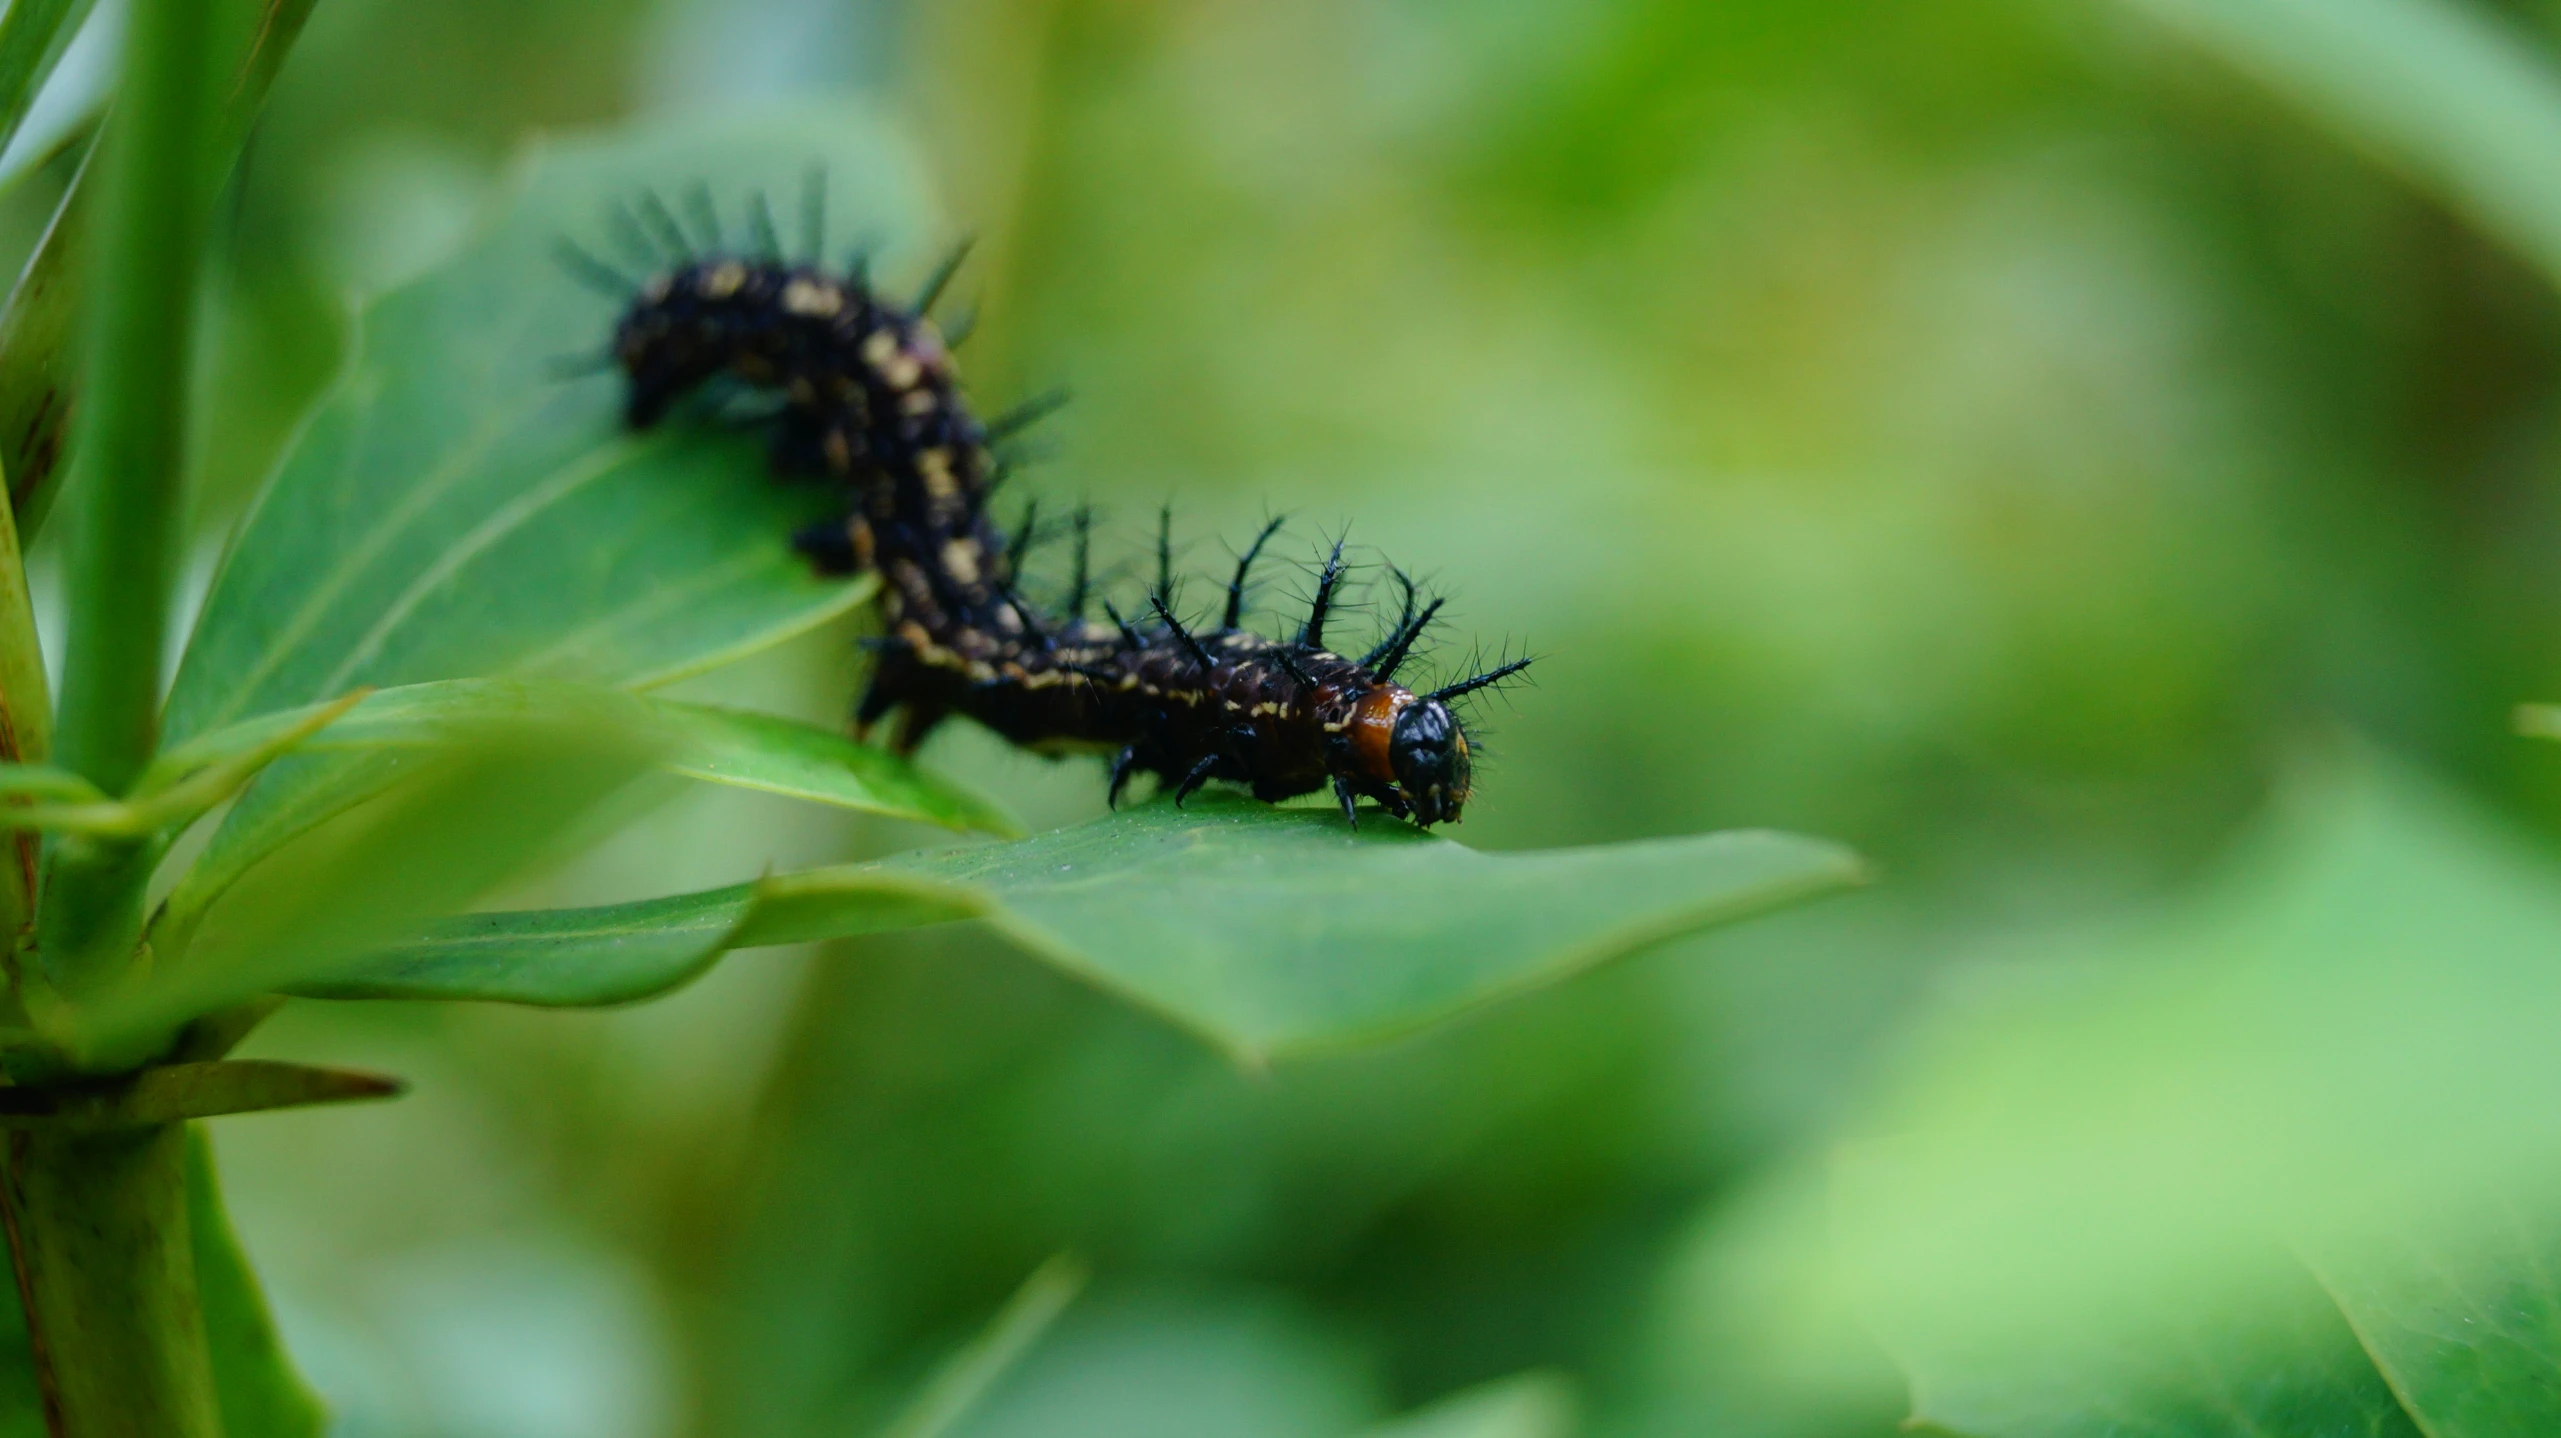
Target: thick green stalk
123,556
155,206
98,1224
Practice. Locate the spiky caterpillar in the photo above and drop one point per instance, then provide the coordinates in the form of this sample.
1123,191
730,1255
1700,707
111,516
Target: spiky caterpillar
869,397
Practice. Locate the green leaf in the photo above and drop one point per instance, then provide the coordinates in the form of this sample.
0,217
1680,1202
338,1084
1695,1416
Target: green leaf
964,1378
1165,1361
1268,931
2466,1326
799,761
44,781
721,746
349,762
550,958
38,360
2282,1362
2450,92
167,797
1278,930
33,35
456,507
2104,1176
622,953
1526,1405
447,825
261,1392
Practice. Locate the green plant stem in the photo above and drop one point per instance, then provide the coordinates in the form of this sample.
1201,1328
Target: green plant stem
98,1223
155,205
124,551
99,1230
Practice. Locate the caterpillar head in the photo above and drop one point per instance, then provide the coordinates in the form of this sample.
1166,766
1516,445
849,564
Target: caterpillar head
1427,752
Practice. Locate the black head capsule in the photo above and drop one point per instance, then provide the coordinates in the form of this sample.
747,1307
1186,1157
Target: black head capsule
1428,752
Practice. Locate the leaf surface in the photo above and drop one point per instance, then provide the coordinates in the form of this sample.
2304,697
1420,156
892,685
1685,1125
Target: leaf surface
733,747
1525,1405
800,761
2285,1363
2466,1326
1267,931
2281,1160
457,507
444,826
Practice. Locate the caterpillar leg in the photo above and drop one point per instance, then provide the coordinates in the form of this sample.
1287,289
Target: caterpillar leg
1193,780
831,547
914,723
876,703
1343,792
1124,764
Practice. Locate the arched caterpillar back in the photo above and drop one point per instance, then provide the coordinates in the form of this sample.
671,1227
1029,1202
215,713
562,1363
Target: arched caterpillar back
869,398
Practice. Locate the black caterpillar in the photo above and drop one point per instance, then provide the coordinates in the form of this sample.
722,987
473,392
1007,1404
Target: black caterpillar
868,397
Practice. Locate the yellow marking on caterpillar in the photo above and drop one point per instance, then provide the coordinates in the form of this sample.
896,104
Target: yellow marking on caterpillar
960,560
878,346
722,280
934,465
919,402
900,370
815,298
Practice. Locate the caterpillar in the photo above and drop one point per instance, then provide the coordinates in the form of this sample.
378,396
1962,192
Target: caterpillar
866,395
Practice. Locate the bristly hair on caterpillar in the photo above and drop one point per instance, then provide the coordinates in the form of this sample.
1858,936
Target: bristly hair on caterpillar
866,395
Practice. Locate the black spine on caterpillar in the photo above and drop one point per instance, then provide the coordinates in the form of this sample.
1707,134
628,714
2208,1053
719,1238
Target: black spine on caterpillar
869,398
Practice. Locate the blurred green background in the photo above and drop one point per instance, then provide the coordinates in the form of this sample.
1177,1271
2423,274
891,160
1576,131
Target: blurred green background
1992,433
